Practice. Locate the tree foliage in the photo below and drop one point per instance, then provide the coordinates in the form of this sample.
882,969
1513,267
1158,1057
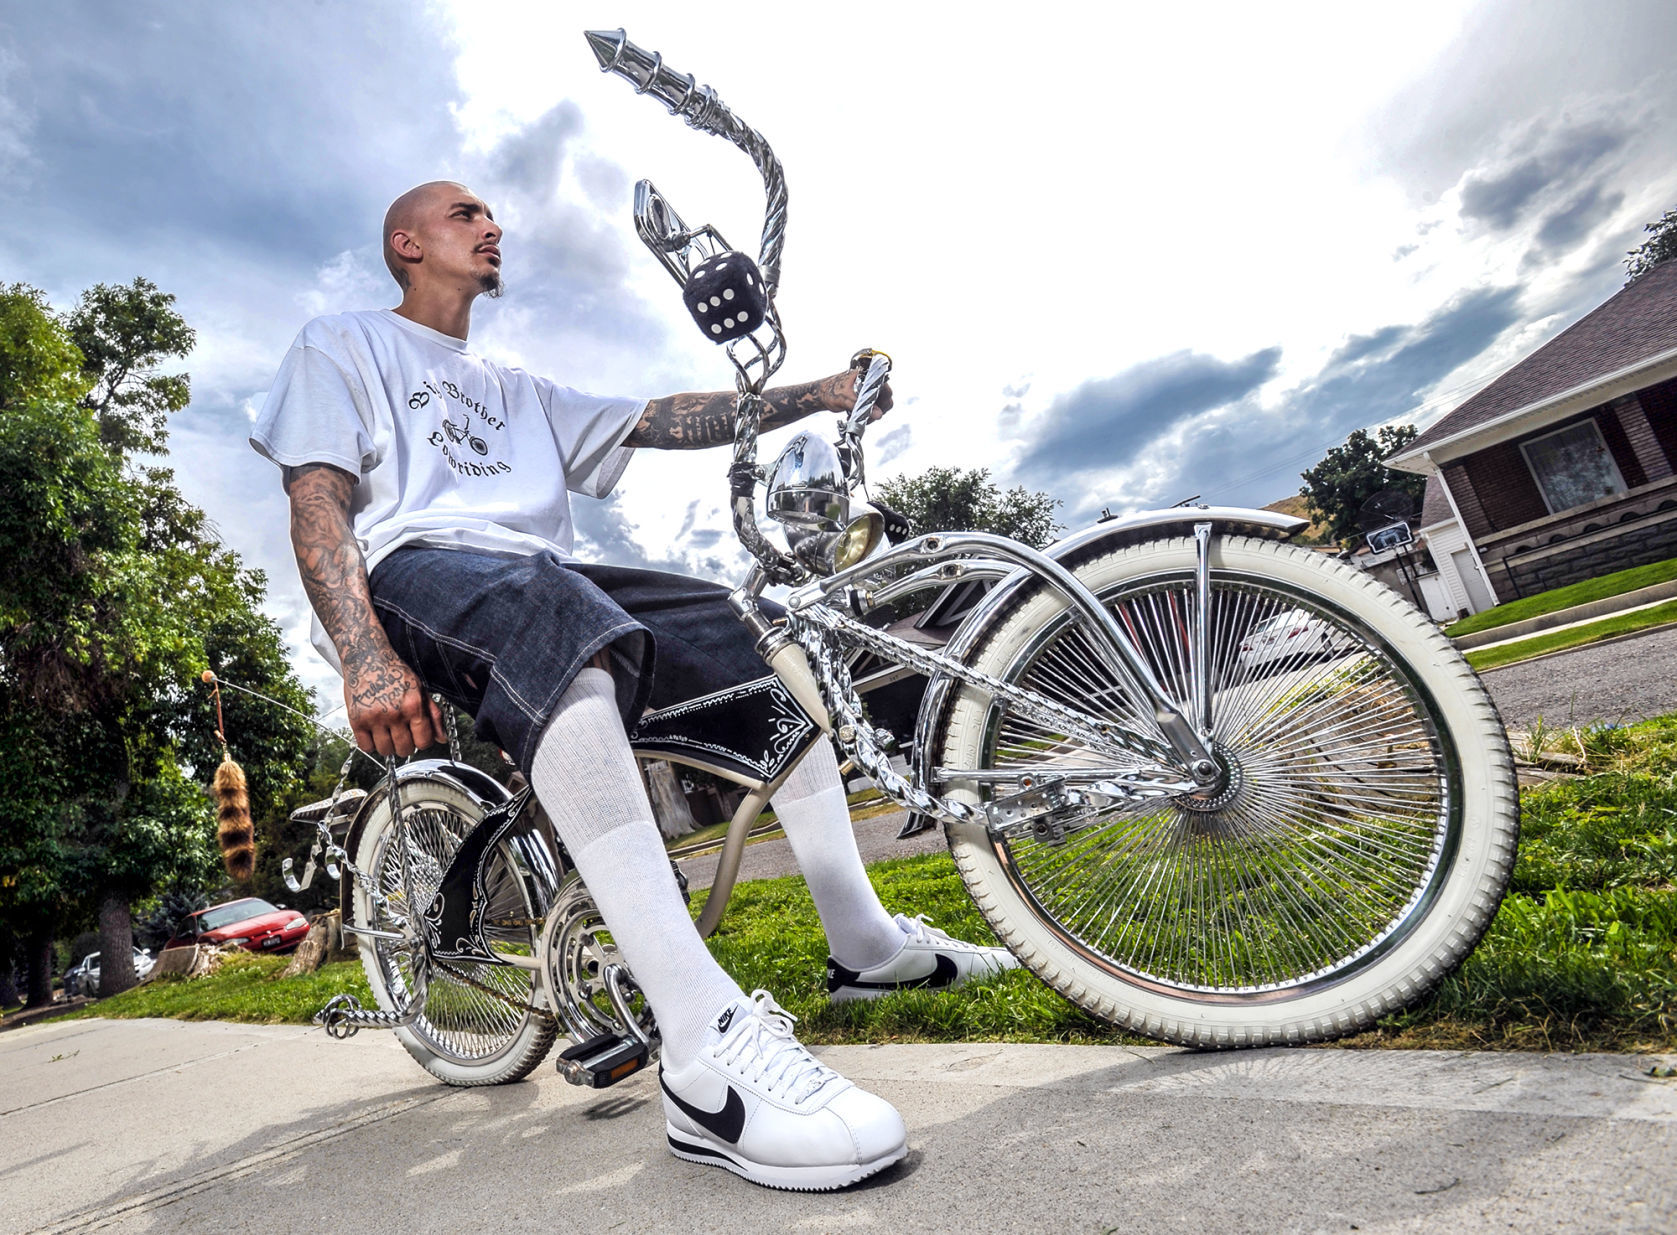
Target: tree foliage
117,595
1660,246
37,359
123,333
1355,471
952,499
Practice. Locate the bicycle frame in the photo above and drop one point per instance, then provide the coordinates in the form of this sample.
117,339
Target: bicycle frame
823,612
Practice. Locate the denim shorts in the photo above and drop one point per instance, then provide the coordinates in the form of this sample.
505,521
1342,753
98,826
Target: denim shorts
502,636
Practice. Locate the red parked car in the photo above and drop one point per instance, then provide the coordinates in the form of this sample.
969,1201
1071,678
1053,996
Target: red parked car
252,923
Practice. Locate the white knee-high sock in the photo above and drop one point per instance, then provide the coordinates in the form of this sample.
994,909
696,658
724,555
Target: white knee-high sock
585,777
816,818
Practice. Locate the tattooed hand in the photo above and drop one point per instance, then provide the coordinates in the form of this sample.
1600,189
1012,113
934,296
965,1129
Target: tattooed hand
388,707
839,393
693,421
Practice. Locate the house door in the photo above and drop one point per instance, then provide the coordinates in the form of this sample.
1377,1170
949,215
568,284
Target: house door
1478,592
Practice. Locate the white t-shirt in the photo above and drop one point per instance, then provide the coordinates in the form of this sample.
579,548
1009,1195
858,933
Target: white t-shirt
452,450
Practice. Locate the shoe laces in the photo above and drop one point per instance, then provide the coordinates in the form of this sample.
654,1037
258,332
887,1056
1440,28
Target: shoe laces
761,1048
920,930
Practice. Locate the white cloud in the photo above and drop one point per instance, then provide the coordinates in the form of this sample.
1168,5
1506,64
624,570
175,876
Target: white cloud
1012,222
348,279
15,123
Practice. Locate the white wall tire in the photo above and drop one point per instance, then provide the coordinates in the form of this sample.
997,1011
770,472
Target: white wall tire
465,1037
1373,796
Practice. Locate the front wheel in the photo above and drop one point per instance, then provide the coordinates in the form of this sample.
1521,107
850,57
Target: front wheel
479,1024
1353,853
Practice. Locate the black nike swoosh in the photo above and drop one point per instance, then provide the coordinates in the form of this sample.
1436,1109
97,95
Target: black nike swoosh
726,1123
944,973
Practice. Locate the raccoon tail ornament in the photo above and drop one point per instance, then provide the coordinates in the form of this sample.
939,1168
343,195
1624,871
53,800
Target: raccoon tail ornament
234,830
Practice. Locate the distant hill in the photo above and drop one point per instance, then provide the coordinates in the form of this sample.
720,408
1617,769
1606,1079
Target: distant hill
1316,533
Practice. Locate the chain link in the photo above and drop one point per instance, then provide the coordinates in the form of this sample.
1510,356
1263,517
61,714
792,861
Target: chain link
453,728
519,1004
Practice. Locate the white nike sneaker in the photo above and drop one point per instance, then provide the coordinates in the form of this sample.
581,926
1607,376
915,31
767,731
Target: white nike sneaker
760,1105
929,960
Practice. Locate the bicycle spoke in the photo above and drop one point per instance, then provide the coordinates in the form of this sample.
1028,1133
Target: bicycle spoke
1323,847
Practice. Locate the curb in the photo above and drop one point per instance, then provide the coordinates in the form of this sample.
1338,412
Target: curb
1579,647
1605,607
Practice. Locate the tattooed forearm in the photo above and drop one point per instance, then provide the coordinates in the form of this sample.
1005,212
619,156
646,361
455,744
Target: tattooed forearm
694,421
334,573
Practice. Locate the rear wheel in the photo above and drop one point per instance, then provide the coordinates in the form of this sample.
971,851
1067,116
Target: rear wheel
1355,851
477,1026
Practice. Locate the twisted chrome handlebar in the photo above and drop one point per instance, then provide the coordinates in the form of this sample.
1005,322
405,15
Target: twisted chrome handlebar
674,243
867,394
703,110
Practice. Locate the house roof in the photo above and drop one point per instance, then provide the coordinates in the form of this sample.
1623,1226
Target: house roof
1637,324
1435,504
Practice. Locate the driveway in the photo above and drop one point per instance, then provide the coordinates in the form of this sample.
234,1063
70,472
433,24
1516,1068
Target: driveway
1626,680
172,1126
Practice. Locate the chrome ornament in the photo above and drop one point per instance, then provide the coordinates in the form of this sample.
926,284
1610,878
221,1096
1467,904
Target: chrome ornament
807,487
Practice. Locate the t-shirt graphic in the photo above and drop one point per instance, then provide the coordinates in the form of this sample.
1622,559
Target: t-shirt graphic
450,434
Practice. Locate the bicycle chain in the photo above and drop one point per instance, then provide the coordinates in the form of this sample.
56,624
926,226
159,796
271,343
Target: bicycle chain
518,1004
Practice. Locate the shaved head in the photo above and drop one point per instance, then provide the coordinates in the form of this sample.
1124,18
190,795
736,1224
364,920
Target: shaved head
404,214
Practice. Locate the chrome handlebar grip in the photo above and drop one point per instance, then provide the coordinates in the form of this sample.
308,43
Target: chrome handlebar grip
867,394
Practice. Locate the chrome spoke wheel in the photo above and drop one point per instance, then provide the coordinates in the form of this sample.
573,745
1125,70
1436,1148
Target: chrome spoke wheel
476,1025
1320,839
1362,777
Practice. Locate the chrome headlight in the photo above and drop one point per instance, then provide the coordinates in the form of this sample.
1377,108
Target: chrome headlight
807,493
827,553
806,486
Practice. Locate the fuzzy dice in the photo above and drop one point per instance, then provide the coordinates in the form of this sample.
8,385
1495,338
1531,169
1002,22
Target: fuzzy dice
725,296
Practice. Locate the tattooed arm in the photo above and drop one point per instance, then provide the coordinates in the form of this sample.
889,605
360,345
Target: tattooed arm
694,421
388,708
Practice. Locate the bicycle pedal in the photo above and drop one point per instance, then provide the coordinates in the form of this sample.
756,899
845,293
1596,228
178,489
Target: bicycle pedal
603,1061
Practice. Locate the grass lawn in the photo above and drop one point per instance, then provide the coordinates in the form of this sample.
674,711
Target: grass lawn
1615,584
1582,956
244,988
1574,636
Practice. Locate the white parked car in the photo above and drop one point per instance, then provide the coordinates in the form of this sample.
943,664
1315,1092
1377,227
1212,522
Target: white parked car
1291,636
83,979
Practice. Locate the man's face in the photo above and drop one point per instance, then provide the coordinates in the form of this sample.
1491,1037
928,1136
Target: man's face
459,238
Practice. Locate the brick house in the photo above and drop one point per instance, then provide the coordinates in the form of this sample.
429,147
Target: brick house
1563,468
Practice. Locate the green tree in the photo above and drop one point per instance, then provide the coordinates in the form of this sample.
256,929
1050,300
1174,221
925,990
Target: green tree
952,499
1350,474
37,359
1660,246
123,333
117,595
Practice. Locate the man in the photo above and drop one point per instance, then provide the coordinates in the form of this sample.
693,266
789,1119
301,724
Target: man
431,523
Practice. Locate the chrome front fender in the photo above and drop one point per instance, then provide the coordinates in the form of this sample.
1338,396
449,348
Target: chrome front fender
1108,533
542,866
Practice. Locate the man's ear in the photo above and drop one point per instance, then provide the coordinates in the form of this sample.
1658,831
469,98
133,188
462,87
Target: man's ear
405,245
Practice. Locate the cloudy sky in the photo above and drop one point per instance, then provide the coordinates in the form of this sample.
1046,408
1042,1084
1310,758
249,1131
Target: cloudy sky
1122,253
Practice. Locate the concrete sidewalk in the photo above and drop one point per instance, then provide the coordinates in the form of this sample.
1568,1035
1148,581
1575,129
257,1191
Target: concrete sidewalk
170,1126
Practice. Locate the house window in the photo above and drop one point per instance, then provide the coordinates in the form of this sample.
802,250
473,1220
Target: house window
1572,466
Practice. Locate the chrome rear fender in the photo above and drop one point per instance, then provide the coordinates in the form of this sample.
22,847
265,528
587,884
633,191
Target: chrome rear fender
1098,537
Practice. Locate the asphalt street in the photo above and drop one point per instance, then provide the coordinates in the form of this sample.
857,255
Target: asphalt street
876,838
174,1126
1626,680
